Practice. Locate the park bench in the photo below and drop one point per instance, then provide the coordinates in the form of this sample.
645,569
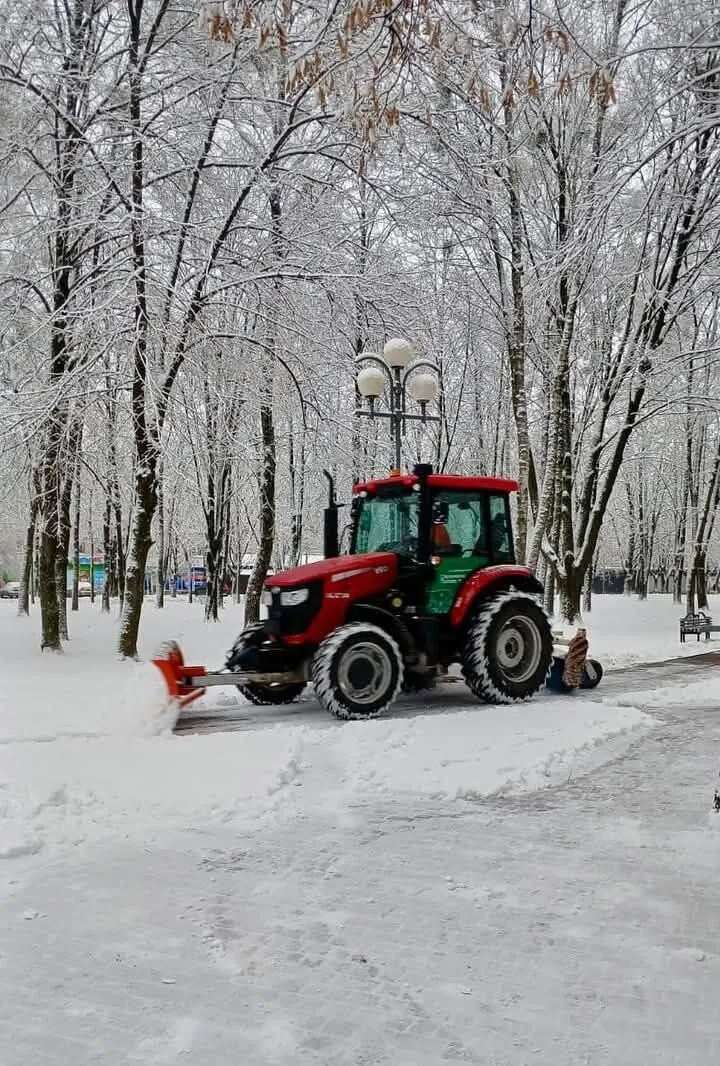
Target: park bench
698,623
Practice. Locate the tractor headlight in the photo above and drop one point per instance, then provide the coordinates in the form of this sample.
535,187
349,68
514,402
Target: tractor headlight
266,598
294,597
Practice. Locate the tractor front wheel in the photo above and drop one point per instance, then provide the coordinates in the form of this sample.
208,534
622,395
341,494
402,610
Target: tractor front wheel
357,671
508,650
262,695
270,695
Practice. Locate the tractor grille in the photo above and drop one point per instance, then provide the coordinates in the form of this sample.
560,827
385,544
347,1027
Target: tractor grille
291,621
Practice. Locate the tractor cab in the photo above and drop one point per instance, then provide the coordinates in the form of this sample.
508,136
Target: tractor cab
446,526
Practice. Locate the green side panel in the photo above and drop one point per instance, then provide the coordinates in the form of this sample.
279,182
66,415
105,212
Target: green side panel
448,578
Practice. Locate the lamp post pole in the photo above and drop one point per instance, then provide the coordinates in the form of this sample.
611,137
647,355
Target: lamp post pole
396,414
397,374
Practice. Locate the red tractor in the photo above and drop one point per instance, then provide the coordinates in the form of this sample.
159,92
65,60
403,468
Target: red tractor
430,580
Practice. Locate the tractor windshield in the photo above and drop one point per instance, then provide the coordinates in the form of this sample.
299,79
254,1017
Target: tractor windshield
387,522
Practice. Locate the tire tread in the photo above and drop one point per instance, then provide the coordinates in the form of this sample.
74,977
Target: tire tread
475,664
322,663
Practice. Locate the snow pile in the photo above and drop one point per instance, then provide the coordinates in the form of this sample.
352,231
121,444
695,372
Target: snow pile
73,790
478,753
705,693
89,690
142,705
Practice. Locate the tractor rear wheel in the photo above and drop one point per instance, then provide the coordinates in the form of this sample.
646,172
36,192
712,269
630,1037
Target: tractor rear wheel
357,671
508,649
260,694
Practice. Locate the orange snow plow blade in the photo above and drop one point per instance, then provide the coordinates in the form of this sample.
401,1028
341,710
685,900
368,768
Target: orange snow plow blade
178,676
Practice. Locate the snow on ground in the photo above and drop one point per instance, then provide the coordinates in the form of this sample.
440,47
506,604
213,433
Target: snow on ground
624,631
477,753
78,789
402,892
705,693
79,761
79,758
88,689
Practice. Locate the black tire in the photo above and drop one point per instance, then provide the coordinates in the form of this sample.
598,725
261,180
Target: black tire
592,674
357,671
261,695
270,695
508,649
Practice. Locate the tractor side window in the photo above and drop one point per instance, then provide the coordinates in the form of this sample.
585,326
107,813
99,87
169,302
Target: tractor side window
461,517
500,539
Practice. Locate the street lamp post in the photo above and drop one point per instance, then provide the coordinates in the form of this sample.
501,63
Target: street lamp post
399,374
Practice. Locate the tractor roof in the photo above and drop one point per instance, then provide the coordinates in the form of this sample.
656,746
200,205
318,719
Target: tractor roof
441,481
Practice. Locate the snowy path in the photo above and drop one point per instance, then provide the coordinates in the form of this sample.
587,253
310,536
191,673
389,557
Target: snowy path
225,714
577,925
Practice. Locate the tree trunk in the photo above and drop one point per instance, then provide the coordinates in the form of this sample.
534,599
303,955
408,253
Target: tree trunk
267,508
549,592
222,568
137,561
700,580
48,587
213,563
569,596
26,575
297,494
61,569
119,548
26,578
76,545
35,583
49,544
240,554
109,557
587,591
146,451
267,434
552,584
690,591
363,245
514,314
160,594
92,565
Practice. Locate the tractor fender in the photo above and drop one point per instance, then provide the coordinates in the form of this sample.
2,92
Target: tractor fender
378,616
487,582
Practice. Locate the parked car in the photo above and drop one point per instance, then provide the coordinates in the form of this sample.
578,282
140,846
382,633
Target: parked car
84,588
11,591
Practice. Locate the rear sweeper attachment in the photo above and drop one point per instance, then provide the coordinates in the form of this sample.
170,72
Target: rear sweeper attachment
430,580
